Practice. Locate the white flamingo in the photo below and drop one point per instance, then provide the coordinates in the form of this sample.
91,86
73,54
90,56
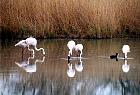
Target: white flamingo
125,50
70,45
29,41
79,48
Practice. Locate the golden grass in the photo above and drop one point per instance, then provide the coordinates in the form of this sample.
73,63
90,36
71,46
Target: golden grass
71,18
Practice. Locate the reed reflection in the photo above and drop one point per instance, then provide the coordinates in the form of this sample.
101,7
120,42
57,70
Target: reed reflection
28,66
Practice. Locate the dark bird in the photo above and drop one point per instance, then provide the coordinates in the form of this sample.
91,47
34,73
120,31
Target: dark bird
114,56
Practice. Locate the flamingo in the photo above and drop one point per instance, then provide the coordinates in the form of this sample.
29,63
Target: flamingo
79,48
125,50
70,45
29,41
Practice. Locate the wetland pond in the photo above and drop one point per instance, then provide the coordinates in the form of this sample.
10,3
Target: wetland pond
51,74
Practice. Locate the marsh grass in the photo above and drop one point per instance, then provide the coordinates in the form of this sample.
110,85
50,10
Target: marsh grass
71,18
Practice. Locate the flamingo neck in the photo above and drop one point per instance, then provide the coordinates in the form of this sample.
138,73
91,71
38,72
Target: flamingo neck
70,52
81,54
125,55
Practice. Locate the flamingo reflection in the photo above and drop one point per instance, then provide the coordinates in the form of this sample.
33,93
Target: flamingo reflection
79,66
70,70
125,67
27,66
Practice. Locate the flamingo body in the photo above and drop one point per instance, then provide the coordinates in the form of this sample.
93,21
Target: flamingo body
125,50
79,47
31,41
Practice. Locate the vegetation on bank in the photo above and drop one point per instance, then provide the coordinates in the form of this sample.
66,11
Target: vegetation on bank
69,18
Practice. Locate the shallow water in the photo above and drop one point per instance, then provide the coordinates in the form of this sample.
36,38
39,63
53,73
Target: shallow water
51,74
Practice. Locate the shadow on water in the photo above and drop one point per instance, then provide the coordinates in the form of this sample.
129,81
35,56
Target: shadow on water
53,74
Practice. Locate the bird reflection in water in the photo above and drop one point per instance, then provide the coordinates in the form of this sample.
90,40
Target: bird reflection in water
28,66
79,66
125,67
71,70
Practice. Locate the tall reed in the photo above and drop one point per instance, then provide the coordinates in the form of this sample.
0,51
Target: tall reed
70,18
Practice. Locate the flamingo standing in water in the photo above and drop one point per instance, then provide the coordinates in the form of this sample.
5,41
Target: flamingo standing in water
79,48
125,50
70,45
29,41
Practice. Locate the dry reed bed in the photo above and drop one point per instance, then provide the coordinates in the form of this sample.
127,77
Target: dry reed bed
71,18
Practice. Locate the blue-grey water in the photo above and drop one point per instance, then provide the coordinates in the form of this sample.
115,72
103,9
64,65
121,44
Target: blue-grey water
51,74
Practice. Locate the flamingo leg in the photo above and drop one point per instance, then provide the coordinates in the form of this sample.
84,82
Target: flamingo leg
125,56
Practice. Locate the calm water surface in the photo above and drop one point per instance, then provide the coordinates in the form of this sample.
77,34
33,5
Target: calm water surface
94,74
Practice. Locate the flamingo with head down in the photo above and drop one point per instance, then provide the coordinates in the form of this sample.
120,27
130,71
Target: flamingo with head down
29,42
72,46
